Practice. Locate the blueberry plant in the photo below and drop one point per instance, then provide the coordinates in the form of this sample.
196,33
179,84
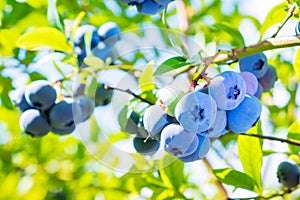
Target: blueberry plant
149,99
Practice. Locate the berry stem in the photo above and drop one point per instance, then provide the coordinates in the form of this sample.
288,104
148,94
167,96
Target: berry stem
222,191
289,141
290,14
131,93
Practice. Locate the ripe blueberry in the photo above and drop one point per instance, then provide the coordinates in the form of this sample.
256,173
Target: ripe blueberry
196,112
256,64
242,118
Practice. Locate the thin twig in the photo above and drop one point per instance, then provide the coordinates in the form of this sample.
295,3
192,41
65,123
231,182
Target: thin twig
289,141
131,93
290,14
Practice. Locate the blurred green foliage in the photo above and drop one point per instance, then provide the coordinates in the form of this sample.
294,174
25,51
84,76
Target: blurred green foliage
56,167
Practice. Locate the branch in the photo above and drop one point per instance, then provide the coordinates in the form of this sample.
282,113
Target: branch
222,190
289,141
240,52
131,93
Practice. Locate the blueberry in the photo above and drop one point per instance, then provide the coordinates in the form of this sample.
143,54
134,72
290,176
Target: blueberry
18,98
132,2
288,174
104,51
196,112
259,91
251,82
63,131
178,141
297,28
61,116
34,123
201,150
109,33
268,79
149,7
228,90
219,125
83,108
40,95
155,119
80,34
132,123
163,2
242,118
256,64
146,148
103,96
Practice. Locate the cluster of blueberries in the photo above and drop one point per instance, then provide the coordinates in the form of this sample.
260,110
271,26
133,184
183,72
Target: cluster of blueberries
43,112
148,7
229,103
98,42
288,174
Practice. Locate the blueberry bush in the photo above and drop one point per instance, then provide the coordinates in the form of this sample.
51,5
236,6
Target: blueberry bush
149,99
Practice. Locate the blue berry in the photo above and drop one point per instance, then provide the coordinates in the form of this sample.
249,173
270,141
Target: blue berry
178,141
34,123
61,117
155,119
259,91
245,116
132,2
149,7
145,147
228,90
83,108
219,125
196,112
256,64
80,34
109,33
251,82
104,51
288,174
40,95
18,98
201,150
268,79
103,96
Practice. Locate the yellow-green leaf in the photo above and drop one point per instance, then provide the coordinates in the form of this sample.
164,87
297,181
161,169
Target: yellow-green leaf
275,15
250,154
146,80
45,37
296,64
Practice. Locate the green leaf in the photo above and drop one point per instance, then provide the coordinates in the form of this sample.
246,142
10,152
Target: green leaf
235,178
146,80
275,15
296,63
49,37
250,154
237,37
172,175
53,16
5,100
294,133
91,86
122,118
171,64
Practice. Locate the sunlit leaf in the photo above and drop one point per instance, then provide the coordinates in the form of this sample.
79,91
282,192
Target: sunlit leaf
46,37
237,37
235,178
53,16
294,134
296,64
250,154
146,80
275,15
171,64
